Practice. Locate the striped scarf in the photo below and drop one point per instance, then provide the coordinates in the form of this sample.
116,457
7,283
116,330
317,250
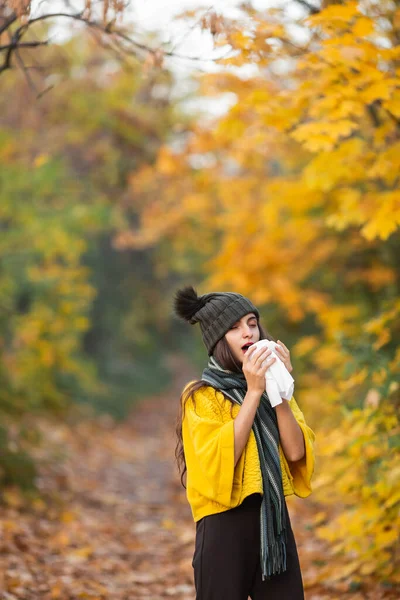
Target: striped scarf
273,536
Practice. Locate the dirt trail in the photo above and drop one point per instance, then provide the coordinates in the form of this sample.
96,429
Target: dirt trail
122,529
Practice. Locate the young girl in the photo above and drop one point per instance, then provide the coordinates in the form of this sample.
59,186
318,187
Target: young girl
241,457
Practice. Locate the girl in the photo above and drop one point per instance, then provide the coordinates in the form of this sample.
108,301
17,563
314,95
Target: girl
241,457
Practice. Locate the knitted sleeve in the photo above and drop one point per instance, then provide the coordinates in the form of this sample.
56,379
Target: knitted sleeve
208,437
300,472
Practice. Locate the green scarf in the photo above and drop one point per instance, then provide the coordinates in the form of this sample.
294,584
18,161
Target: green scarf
273,536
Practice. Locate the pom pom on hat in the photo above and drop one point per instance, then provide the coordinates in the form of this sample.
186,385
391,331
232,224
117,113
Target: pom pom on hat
187,303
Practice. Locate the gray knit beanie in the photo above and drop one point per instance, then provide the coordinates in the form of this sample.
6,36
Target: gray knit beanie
216,312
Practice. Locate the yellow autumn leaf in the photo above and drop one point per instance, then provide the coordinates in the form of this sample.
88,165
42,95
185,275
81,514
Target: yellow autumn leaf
166,163
40,160
305,345
343,12
386,538
392,104
383,338
168,524
385,220
80,554
353,380
363,27
367,568
394,498
381,90
68,516
325,533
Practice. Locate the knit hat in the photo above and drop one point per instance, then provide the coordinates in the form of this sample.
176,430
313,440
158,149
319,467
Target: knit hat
216,312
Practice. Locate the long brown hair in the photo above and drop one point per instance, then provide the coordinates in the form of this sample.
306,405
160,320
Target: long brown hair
224,356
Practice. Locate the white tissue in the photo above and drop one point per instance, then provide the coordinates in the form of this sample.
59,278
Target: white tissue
278,381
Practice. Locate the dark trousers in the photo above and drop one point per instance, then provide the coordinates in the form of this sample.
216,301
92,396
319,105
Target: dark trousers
226,558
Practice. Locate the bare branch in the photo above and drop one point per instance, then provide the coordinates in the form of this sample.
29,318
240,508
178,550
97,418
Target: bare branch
313,10
23,45
118,40
7,60
26,73
90,23
191,29
8,23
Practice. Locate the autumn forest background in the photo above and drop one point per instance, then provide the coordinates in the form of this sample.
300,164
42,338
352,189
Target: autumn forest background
130,166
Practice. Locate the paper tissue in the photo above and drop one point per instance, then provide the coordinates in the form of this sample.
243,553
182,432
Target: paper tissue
278,381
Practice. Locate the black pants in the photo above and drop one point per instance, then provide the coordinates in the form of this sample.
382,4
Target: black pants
226,558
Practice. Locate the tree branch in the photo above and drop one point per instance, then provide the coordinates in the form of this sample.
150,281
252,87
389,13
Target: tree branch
8,23
26,73
81,18
313,10
23,45
124,42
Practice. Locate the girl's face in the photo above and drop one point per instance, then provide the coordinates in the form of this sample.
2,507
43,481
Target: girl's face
242,334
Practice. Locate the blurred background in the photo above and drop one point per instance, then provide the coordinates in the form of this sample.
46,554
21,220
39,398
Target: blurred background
246,147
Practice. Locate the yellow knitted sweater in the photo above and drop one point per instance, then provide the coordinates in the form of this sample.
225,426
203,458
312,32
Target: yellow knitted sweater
213,483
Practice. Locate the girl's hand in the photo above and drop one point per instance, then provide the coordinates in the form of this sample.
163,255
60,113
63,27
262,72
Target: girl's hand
255,365
284,355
